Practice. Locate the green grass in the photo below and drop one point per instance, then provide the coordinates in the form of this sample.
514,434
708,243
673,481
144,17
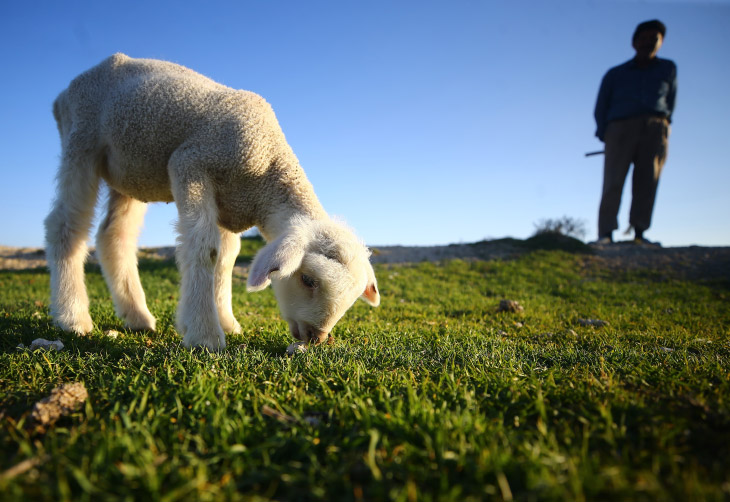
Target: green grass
433,396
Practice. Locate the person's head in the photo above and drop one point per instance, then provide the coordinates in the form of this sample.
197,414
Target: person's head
648,38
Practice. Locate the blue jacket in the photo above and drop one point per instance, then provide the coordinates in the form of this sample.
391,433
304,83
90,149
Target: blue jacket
629,91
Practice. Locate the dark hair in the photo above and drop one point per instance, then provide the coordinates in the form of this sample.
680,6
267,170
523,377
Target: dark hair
654,24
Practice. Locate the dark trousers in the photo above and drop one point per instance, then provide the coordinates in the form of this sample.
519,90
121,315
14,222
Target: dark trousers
641,141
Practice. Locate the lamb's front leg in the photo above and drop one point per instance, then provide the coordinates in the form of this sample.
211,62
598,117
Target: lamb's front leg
230,246
197,253
116,246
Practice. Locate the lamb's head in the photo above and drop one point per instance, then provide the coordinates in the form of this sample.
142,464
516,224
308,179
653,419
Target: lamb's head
317,270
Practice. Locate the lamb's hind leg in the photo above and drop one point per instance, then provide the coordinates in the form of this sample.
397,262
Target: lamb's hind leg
116,246
67,228
230,246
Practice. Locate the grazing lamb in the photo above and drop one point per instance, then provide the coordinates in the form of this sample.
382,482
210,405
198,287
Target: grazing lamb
156,131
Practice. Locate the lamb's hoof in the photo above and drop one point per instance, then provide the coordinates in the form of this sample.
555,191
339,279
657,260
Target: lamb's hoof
207,346
81,326
234,327
212,343
142,322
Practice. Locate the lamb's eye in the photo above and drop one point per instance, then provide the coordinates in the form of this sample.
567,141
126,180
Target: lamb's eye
309,281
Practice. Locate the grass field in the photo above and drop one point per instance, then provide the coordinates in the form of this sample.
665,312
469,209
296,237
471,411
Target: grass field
433,396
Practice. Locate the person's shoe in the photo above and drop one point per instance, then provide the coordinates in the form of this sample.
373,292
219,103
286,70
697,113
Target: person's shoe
643,241
602,241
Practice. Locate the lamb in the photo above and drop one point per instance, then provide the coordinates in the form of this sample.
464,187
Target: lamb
156,131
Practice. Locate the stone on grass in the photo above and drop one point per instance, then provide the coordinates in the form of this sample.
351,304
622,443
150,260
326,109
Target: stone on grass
296,347
592,322
63,400
42,343
510,306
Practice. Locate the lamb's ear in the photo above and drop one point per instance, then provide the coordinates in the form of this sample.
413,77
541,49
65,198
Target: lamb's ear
371,294
284,255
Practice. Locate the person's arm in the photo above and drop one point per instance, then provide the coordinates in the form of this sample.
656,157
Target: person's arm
672,94
602,103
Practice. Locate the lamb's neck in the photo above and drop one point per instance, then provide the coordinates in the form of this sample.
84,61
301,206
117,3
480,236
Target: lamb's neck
293,199
280,221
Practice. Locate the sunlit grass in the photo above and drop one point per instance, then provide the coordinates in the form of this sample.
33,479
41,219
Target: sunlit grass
433,396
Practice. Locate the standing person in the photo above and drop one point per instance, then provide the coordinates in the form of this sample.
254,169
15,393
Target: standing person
633,113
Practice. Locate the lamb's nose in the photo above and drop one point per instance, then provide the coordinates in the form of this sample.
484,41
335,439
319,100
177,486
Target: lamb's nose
316,336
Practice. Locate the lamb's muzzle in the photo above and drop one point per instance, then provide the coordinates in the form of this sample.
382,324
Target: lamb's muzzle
156,131
304,332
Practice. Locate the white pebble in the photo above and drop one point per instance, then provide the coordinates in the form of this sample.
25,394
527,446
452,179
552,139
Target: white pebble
296,347
42,343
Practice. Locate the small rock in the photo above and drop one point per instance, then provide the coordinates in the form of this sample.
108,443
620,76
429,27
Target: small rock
42,343
592,322
112,333
296,347
509,306
312,420
63,400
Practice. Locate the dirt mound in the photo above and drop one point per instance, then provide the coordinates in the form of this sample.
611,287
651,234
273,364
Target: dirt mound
690,261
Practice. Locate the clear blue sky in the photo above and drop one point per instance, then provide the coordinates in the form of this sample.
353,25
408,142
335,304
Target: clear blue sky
418,122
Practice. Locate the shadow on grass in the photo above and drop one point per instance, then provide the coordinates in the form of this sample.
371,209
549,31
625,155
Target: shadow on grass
126,342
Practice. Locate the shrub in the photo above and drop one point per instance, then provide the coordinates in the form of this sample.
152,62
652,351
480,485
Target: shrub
568,226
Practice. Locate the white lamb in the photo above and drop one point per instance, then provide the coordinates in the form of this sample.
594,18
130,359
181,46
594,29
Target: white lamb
156,131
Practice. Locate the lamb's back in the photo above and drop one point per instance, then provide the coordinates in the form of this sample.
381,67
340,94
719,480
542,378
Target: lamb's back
137,113
152,107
